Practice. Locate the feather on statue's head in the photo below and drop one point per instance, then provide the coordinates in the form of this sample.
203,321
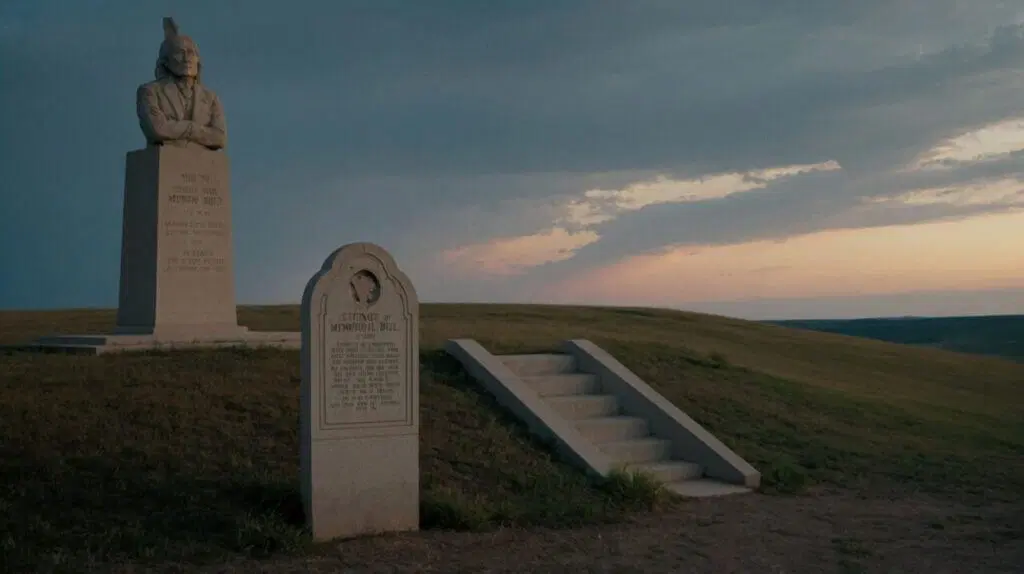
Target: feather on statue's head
179,55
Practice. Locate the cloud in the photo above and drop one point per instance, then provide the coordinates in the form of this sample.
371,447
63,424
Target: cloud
573,230
981,170
513,255
598,206
987,143
654,215
1004,192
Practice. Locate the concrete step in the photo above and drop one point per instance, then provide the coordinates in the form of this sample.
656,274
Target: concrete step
562,385
638,450
705,487
535,365
605,418
575,407
669,470
615,428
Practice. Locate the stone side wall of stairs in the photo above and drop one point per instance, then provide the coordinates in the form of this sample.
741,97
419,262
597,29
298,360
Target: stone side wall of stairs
602,417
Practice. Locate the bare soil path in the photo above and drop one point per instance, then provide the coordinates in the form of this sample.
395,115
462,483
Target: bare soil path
830,531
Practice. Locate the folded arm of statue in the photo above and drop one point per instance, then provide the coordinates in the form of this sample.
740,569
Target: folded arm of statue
157,127
160,129
214,134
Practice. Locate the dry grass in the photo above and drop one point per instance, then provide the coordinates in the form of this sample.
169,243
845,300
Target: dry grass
192,456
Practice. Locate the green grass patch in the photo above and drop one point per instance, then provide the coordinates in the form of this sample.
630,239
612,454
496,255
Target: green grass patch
798,435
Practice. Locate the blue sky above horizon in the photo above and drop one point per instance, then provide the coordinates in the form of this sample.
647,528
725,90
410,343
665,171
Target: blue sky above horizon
756,159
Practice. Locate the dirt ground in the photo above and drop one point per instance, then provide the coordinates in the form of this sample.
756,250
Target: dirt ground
829,531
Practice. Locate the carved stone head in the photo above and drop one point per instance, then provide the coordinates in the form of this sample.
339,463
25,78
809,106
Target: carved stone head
179,55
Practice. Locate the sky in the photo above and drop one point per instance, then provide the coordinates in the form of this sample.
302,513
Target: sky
756,159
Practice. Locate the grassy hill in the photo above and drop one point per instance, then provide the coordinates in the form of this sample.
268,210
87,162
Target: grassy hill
997,335
192,456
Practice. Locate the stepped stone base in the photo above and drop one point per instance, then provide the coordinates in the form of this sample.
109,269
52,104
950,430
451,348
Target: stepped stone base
98,344
603,418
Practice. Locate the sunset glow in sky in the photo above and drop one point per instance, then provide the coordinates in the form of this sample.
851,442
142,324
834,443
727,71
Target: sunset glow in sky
982,252
748,158
884,260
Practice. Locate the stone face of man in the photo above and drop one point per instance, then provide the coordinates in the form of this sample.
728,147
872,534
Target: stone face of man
183,59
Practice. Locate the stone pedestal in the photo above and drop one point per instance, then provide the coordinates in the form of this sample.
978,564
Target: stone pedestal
178,282
359,421
177,285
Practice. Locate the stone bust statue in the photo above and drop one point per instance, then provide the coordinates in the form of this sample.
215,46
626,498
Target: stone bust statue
176,109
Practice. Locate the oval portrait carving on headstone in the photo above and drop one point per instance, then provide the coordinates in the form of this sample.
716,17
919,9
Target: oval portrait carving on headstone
365,288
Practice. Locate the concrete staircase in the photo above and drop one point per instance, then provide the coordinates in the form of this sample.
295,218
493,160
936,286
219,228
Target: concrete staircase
604,420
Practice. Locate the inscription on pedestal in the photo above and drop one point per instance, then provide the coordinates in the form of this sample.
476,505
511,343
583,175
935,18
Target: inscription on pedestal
197,219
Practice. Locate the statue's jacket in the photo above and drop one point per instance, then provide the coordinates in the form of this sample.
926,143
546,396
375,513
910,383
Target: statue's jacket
166,117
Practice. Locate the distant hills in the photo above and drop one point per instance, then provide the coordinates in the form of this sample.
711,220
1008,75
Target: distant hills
998,335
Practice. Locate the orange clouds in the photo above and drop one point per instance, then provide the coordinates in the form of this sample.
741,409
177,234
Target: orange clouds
513,255
983,252
600,205
978,253
986,143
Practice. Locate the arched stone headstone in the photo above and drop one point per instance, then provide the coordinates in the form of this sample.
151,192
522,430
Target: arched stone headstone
360,396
